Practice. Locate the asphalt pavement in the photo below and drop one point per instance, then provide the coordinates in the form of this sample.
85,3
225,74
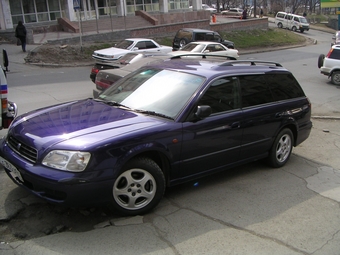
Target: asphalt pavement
291,210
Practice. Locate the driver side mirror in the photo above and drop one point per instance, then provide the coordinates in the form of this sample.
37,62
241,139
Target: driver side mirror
203,111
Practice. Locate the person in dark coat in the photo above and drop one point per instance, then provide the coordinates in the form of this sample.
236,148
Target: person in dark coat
244,14
20,32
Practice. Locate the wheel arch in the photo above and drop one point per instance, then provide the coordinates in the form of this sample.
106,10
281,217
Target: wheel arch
159,156
293,127
336,69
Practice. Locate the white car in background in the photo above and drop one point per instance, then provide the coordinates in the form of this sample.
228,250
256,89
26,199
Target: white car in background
233,12
129,45
207,8
209,48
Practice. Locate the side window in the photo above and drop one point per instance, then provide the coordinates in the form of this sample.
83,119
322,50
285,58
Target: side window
284,86
217,38
141,45
150,45
222,95
335,54
209,37
254,90
296,19
200,37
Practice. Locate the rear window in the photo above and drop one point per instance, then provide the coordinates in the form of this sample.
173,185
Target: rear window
334,54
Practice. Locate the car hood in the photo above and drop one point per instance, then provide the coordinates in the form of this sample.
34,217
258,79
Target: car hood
77,125
112,51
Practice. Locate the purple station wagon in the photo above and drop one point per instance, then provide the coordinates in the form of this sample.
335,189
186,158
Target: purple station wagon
161,125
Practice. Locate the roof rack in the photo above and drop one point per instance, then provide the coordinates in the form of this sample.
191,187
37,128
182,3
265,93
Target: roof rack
250,62
203,55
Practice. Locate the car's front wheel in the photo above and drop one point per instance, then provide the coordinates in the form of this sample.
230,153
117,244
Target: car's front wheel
294,29
281,149
138,188
335,78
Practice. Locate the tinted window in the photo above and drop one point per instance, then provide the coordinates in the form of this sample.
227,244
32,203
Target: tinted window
150,45
184,34
199,36
222,95
141,45
335,54
284,86
254,90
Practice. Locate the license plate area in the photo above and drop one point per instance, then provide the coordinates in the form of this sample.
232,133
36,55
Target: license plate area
12,170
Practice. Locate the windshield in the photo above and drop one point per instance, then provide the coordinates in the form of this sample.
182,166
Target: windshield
125,44
149,89
193,47
303,20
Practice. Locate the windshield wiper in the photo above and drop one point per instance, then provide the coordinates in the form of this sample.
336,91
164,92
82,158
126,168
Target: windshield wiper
113,103
154,113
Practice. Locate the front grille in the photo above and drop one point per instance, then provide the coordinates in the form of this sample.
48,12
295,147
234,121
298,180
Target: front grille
22,149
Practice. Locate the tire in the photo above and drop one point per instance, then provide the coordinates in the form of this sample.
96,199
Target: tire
279,25
182,42
281,150
294,29
335,77
139,187
320,60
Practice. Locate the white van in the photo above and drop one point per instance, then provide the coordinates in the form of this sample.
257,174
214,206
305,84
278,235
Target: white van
291,21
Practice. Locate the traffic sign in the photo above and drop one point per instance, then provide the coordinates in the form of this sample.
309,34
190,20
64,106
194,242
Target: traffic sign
76,4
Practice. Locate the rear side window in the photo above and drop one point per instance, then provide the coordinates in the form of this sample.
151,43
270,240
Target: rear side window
184,34
200,37
284,86
255,90
280,15
335,54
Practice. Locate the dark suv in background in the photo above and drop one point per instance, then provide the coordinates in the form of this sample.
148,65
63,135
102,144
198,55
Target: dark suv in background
186,35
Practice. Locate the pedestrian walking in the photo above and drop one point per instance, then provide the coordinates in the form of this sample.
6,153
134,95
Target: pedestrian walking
20,32
261,13
244,14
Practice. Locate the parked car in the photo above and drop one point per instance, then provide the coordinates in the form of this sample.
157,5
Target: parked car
159,126
330,64
127,59
207,48
207,8
129,45
335,38
186,35
106,78
233,12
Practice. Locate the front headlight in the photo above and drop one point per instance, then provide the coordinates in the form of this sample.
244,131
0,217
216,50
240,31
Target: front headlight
73,161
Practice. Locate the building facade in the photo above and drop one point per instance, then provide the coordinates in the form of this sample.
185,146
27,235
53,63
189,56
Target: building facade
40,11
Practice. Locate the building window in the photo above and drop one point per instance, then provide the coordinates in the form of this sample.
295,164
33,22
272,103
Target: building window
30,11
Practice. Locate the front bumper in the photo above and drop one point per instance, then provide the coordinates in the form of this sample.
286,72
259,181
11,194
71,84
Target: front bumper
59,187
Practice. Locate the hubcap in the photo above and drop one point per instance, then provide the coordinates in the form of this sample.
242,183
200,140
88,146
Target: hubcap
283,148
134,189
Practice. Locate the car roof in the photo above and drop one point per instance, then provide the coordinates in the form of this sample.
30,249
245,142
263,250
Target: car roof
210,66
138,39
198,30
205,43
